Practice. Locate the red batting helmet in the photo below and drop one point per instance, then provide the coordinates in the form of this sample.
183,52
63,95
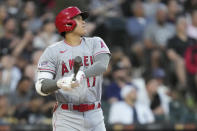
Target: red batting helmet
64,21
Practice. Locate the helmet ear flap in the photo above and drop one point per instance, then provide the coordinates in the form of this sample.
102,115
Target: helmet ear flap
70,25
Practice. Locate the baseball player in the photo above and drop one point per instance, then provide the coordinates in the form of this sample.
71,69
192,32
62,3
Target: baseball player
78,105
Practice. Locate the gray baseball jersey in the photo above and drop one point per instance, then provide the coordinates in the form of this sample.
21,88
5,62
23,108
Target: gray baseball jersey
59,60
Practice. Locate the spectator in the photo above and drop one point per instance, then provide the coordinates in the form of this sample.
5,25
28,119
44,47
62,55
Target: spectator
47,36
173,10
3,15
32,114
21,97
36,56
21,62
128,111
4,108
118,54
107,15
176,48
192,28
150,8
150,95
24,46
23,51
120,76
126,8
13,7
163,90
105,8
155,59
10,75
190,5
33,23
9,40
137,23
191,67
137,56
157,34
46,5
31,69
48,106
107,76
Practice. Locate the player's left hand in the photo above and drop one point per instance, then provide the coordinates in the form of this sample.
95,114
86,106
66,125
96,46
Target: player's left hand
66,83
74,84
80,76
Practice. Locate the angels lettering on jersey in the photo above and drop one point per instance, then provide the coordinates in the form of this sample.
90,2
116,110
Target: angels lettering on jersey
59,58
87,60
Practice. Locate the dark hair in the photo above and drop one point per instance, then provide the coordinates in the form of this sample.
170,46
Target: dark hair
193,12
23,79
180,18
63,34
7,19
148,78
46,21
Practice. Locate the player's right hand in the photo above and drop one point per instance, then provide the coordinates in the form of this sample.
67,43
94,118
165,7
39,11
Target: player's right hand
66,83
80,76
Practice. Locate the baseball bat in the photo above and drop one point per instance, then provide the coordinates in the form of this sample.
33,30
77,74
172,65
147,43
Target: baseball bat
77,64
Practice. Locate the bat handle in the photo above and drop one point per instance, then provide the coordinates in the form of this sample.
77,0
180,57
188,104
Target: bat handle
74,78
77,64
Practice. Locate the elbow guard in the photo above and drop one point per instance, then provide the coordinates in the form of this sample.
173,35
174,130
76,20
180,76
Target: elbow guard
38,88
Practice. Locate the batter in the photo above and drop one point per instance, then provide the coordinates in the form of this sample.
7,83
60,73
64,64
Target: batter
78,105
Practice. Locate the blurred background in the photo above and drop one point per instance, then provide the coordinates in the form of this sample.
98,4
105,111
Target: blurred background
151,82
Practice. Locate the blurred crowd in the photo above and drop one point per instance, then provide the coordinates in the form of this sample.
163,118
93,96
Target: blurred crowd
152,76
